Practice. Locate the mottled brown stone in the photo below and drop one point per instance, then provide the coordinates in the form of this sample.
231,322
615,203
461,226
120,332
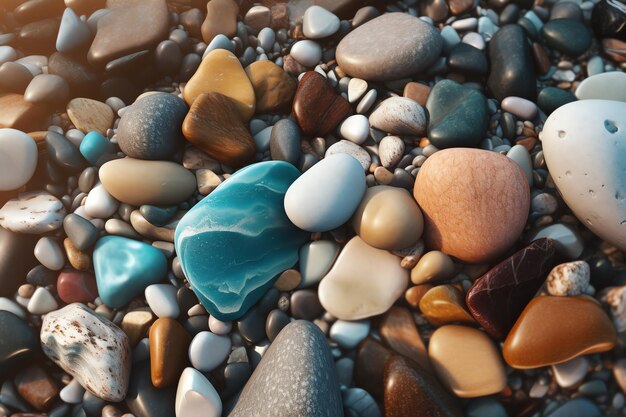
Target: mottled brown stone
273,87
36,387
417,92
397,328
369,367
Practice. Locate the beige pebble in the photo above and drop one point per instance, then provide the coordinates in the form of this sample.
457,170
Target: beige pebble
78,259
288,280
150,231
467,361
433,266
207,181
88,115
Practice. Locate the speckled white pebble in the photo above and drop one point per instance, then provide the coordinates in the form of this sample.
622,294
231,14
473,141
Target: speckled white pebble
352,149
33,213
390,151
162,300
399,116
204,342
571,278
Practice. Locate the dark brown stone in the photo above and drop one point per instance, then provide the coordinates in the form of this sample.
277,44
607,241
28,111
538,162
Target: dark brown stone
369,367
305,304
435,9
38,37
169,342
221,18
213,125
542,60
316,107
417,92
458,7
36,387
191,21
498,297
33,10
409,388
615,49
398,330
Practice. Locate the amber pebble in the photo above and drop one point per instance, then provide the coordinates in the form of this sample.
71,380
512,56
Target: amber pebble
221,18
458,7
214,126
369,366
78,259
553,329
135,324
415,294
37,387
89,115
316,107
169,342
273,87
444,304
397,328
409,388
19,114
417,92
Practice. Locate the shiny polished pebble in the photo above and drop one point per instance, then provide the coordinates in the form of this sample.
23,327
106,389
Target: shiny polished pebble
161,299
203,342
572,372
196,396
399,116
348,334
42,302
433,266
355,128
49,253
316,259
319,23
397,328
445,304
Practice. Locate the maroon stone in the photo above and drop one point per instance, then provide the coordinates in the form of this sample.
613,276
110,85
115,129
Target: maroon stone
498,297
316,107
76,287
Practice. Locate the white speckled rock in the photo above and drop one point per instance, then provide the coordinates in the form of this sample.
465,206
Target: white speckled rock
348,334
100,204
571,278
316,259
355,128
196,397
325,196
90,348
33,213
585,148
400,116
604,86
319,23
306,52
363,282
49,253
162,300
352,149
204,342
18,158
616,299
390,151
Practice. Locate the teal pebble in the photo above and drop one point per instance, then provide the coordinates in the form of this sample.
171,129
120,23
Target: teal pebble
235,242
125,267
94,147
551,98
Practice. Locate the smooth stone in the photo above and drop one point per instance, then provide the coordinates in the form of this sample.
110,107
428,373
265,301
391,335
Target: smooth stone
161,299
369,367
273,87
305,304
359,403
11,306
63,153
87,115
47,89
520,155
168,57
467,59
352,149
18,342
512,67
76,72
498,297
203,342
221,72
485,407
417,92
390,151
214,126
144,399
433,266
399,116
571,278
151,127
326,196
285,141
14,77
570,373
136,324
196,397
80,231
169,342
569,36
520,107
16,259
389,47
604,86
608,18
158,216
363,282
307,53
589,178
76,287
567,239
276,321
316,259
348,334
457,115
132,27
100,204
73,32
355,128
467,361
225,226
444,304
614,297
90,348
551,98
221,18
298,357
7,54
125,267
409,387
576,326
18,113
318,23
72,393
388,218
38,388
252,324
42,302
168,182
577,407
37,38
356,89
18,159
96,148
397,328
289,280
33,213
316,106
497,210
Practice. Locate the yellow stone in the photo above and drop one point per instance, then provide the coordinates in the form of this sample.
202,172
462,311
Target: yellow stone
445,304
89,115
221,72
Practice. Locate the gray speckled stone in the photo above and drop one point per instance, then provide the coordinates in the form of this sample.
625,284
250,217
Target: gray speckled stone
296,378
389,47
151,127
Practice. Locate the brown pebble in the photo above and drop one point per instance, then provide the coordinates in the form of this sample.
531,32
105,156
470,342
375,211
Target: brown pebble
135,324
445,304
19,114
615,49
36,387
169,342
397,328
542,60
78,259
288,280
89,115
417,92
414,295
273,87
221,18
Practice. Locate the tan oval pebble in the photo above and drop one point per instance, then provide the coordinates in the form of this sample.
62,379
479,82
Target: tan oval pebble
137,182
467,361
88,115
388,218
221,72
414,295
470,213
221,18
78,259
445,304
363,282
273,87
433,266
288,280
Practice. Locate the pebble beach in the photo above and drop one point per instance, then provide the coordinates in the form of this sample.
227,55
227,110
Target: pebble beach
312,208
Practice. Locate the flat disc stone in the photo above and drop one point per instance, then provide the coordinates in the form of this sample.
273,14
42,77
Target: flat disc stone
389,47
236,241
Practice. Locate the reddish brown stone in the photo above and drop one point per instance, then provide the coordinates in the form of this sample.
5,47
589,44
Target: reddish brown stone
169,342
316,107
417,92
398,330
221,18
38,37
19,114
291,66
31,11
280,16
542,60
76,287
458,7
497,298
615,49
369,367
435,9
36,387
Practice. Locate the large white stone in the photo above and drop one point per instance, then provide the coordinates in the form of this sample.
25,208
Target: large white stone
584,144
604,86
18,159
196,397
33,213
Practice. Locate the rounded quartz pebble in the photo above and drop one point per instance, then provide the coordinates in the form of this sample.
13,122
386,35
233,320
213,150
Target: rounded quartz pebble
18,159
161,299
355,128
42,302
318,23
72,393
571,278
196,397
306,52
326,195
49,253
100,204
204,342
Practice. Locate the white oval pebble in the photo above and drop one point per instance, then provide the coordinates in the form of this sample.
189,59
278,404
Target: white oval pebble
520,107
355,128
100,204
307,53
348,334
49,253
196,397
162,300
318,23
72,393
604,86
42,302
220,327
207,351
18,158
